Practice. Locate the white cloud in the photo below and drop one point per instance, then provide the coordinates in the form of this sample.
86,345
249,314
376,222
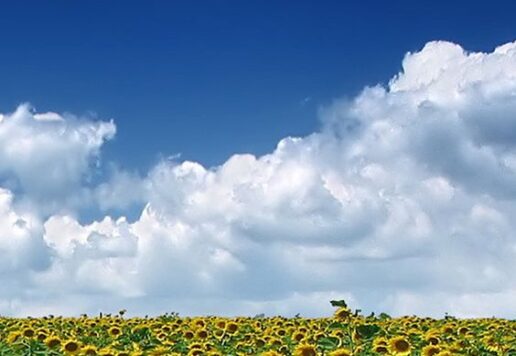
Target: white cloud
402,203
47,156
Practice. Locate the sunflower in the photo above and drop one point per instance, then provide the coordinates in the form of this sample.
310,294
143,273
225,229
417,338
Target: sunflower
341,352
89,350
445,353
114,331
13,337
166,328
200,323
281,332
399,345
52,341
447,329
232,327
491,344
432,339
41,336
337,333
188,334
202,333
159,351
220,323
28,332
430,350
195,346
274,341
283,349
319,335
218,333
342,313
270,353
380,341
214,353
107,352
71,347
305,350
298,336
161,336
381,349
463,330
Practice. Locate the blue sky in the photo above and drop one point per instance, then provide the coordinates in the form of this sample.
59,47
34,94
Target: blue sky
363,151
208,79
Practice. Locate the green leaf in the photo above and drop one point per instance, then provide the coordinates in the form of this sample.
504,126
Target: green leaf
367,330
384,316
338,303
328,343
337,325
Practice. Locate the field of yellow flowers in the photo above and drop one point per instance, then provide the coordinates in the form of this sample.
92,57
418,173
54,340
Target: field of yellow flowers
346,333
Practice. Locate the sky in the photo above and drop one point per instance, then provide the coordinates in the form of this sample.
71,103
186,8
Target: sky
238,158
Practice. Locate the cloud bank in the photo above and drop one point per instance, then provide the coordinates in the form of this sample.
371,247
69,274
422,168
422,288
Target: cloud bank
402,202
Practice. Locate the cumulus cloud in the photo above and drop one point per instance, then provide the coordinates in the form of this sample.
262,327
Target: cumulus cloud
401,203
46,157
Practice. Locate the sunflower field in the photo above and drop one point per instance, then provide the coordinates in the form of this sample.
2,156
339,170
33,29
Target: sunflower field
345,333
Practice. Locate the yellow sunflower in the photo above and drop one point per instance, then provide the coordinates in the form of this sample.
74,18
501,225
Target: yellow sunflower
71,347
381,349
41,336
430,350
341,352
114,331
298,336
305,350
342,313
432,339
399,345
188,334
202,334
13,337
89,350
271,353
28,332
52,341
159,351
231,327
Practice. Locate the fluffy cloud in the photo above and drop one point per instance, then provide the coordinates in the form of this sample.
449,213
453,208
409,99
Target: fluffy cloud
401,203
47,157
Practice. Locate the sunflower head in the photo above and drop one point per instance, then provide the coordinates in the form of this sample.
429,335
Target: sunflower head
13,337
342,313
232,327
202,333
298,336
71,347
341,352
430,350
432,339
305,350
221,323
159,351
399,345
28,332
381,349
114,331
89,350
270,353
189,334
52,341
